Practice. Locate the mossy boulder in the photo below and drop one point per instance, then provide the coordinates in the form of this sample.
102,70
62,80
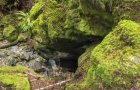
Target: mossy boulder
10,33
14,77
116,62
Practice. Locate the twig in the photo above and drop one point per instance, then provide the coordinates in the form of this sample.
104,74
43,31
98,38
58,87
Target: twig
56,84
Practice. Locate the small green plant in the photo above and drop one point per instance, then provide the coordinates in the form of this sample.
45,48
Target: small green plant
25,24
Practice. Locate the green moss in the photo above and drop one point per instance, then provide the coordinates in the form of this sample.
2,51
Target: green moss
86,28
71,24
115,61
13,77
18,82
7,22
10,19
84,65
130,10
10,33
65,20
39,37
41,20
84,61
55,20
99,15
36,10
49,24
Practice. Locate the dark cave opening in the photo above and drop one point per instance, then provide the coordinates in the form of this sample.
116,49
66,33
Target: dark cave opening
73,50
71,63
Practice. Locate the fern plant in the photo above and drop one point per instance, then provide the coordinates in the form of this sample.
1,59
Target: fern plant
25,24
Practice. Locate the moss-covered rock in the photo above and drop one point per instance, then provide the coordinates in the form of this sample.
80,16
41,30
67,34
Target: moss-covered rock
88,29
9,19
10,33
116,62
98,14
127,9
40,39
14,77
7,22
103,14
61,20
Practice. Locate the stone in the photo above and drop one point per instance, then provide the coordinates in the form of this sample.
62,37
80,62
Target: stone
35,65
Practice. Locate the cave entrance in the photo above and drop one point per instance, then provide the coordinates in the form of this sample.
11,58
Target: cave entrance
70,63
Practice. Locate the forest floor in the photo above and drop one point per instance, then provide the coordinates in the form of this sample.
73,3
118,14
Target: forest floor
46,84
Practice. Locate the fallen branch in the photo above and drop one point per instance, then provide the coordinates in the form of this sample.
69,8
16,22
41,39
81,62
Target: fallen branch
53,85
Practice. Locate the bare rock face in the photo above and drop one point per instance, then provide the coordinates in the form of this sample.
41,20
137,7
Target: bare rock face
18,54
22,55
